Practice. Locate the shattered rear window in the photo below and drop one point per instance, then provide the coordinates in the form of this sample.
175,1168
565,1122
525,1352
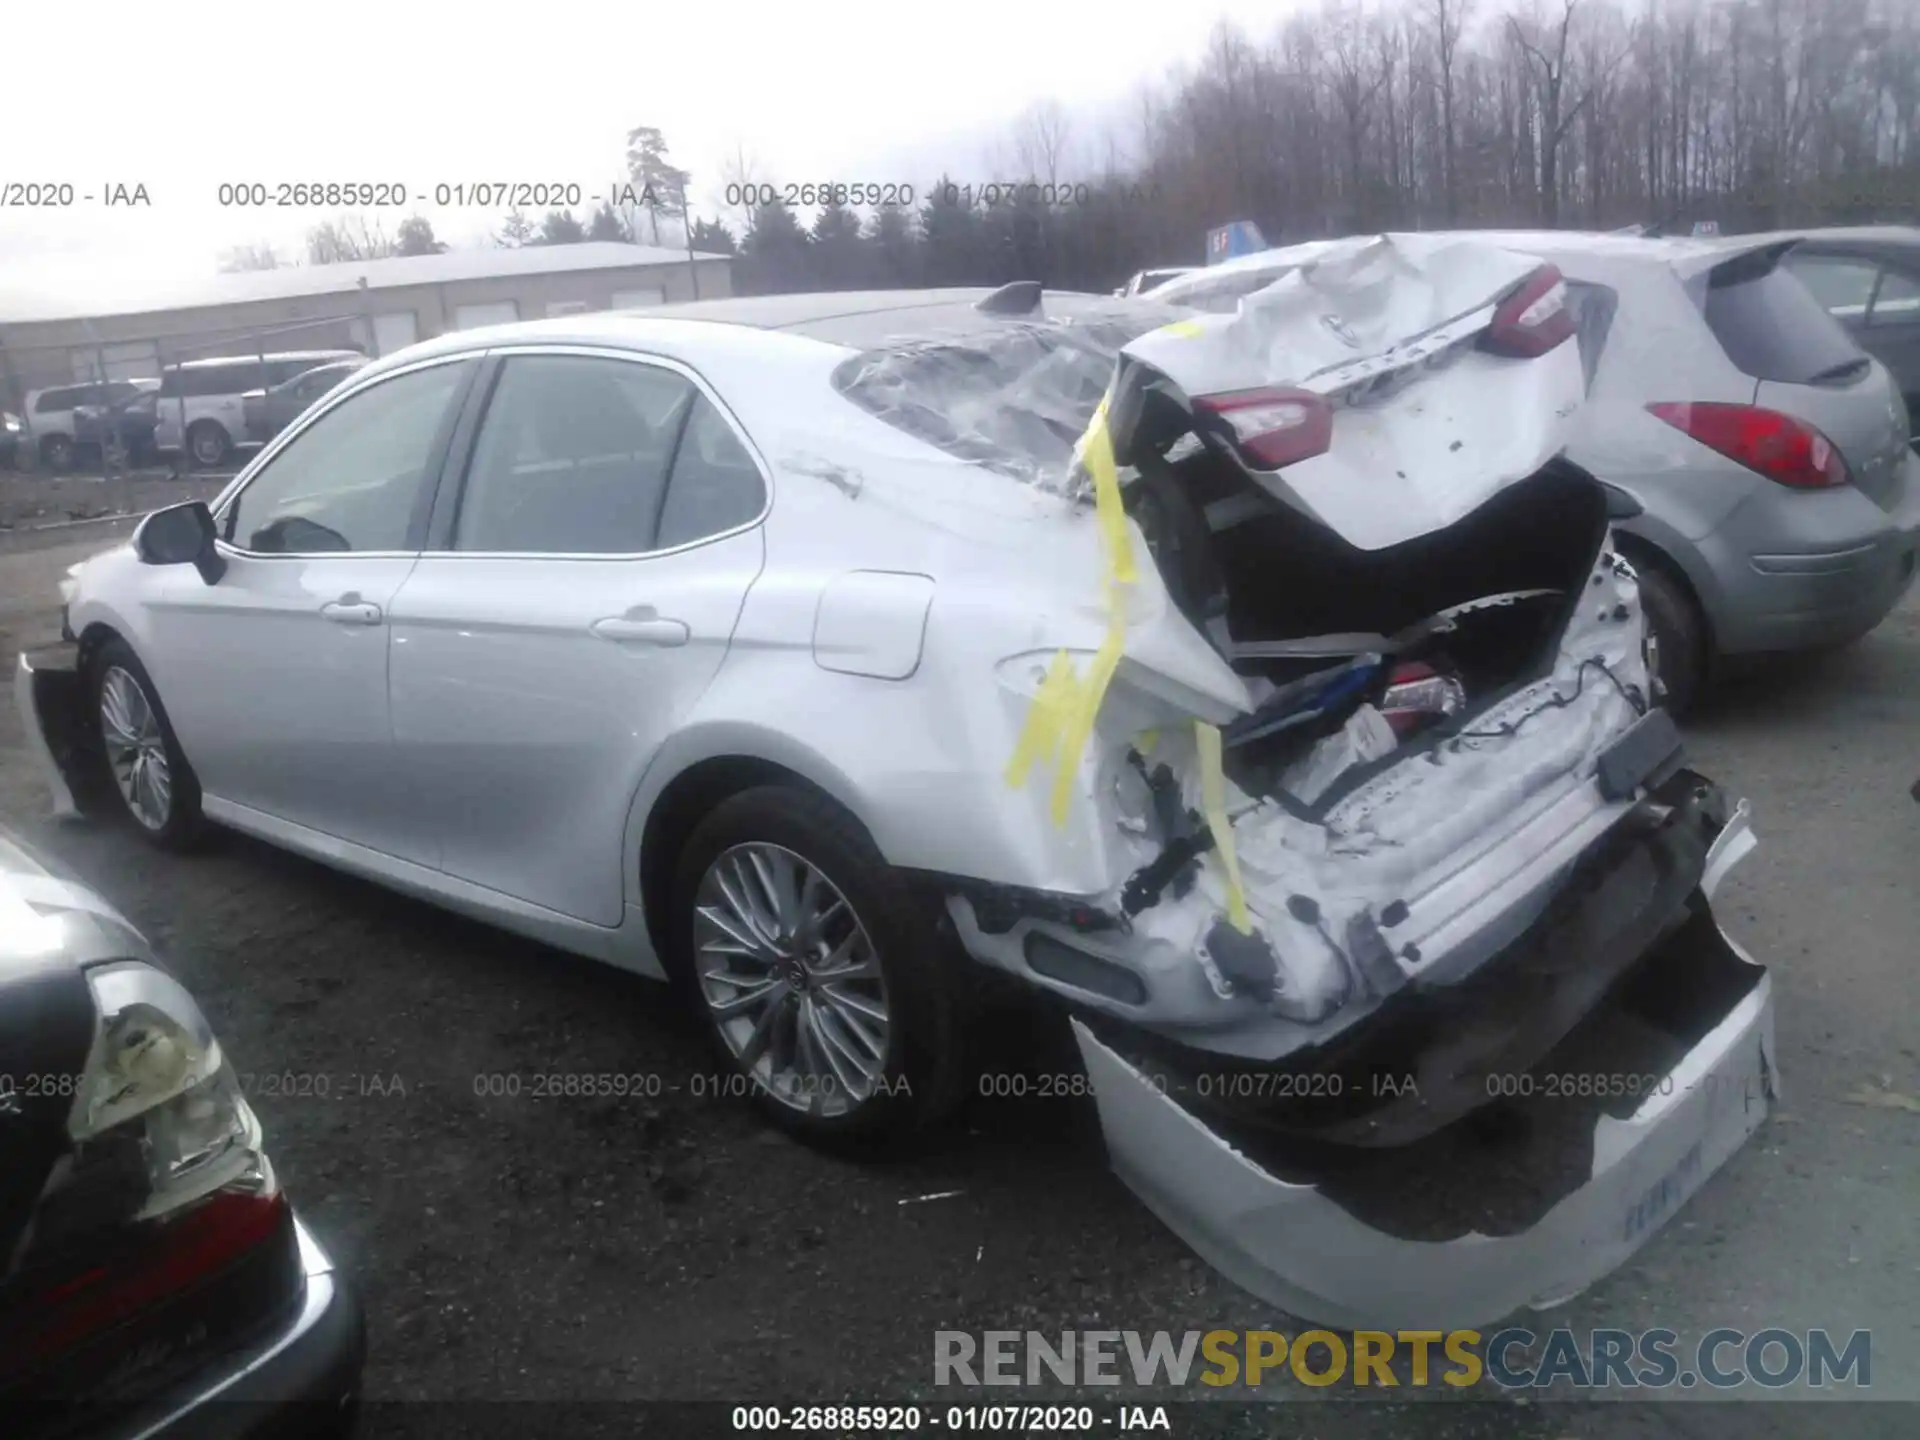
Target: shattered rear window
1013,394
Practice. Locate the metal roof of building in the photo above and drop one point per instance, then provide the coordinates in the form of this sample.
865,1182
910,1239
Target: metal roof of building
130,295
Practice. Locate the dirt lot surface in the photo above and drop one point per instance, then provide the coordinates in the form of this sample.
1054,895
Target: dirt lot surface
36,499
669,1246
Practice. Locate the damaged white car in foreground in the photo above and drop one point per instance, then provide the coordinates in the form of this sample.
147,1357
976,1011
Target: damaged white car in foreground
1263,685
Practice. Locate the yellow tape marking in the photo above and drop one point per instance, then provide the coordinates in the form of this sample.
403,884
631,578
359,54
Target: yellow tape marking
1080,727
1213,803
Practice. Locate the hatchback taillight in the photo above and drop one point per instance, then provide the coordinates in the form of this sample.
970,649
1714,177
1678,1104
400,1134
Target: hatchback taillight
1785,449
1532,319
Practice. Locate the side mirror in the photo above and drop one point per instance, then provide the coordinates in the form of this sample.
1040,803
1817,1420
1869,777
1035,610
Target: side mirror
181,535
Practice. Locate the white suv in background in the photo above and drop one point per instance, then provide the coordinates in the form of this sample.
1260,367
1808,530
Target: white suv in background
51,419
201,410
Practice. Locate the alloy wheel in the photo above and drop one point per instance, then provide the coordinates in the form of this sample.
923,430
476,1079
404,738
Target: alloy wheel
136,749
791,979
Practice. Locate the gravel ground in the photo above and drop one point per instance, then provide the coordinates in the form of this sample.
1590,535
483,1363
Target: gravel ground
668,1246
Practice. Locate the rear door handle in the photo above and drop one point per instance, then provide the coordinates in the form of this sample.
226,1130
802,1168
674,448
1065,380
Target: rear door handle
351,612
634,630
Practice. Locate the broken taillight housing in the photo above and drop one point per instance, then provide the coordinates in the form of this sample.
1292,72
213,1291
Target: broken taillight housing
1417,695
1786,450
166,1183
1532,319
1271,428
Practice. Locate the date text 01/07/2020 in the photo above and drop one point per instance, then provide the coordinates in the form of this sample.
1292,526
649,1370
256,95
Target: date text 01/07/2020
907,1419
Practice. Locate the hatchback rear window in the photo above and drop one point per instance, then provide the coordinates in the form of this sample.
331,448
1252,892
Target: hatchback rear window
1772,328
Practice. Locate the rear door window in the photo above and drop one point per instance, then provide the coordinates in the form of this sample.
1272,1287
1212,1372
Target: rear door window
1772,328
572,457
715,486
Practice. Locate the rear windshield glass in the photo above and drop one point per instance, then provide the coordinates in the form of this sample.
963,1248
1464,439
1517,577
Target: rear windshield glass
1014,395
1772,328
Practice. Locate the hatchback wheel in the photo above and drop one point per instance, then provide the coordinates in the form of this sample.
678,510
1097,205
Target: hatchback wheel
1678,646
56,453
208,443
156,785
825,980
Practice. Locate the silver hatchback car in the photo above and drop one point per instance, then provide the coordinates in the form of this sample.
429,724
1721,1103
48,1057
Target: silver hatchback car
1765,487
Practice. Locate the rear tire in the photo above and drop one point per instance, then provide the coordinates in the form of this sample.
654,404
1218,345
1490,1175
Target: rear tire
208,443
157,788
1679,637
867,1060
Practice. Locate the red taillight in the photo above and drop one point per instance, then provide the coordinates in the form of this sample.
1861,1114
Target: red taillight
1786,450
179,1252
1532,319
1272,428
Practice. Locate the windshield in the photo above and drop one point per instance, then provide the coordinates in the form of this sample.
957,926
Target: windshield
1014,396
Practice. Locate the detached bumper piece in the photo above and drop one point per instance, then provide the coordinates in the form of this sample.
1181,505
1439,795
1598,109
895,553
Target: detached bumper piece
46,692
1558,1173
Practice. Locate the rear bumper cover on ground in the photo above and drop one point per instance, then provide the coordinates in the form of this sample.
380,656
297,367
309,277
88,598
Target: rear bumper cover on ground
1301,1245
46,692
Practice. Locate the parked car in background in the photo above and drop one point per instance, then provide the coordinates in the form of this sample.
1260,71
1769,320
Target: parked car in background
53,416
11,431
1146,280
152,1270
268,412
128,424
1869,279
1764,456
201,412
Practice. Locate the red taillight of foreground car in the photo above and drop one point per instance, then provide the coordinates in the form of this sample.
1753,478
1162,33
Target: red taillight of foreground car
1532,319
170,1255
1786,450
1271,428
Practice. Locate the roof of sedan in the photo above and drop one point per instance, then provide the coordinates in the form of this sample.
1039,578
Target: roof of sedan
858,320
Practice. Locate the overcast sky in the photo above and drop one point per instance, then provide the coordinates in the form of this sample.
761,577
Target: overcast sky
182,97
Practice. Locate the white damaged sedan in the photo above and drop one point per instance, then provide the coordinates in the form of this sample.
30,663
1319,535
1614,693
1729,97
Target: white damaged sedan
1265,686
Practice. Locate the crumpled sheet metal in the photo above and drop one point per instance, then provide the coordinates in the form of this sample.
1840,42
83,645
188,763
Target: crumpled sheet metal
1293,1247
1426,428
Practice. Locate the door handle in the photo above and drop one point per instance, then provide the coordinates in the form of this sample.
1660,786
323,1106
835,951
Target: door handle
351,612
635,630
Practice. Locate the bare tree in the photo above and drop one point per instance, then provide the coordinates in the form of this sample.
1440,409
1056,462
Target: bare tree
350,237
1041,141
257,256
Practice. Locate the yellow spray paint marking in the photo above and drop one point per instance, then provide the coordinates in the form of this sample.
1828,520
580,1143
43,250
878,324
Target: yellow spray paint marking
1096,453
1062,715
1147,741
1184,330
1213,804
1080,726
1046,720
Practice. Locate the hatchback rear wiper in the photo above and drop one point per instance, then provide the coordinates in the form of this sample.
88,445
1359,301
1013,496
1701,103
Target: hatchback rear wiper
1845,370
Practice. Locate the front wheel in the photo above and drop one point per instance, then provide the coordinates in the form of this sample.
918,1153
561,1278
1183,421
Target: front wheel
827,985
157,786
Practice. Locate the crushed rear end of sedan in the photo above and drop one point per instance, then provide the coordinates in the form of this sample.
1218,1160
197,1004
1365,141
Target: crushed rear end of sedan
1404,1001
